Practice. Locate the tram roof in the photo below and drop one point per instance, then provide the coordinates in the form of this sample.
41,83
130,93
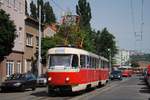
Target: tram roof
71,50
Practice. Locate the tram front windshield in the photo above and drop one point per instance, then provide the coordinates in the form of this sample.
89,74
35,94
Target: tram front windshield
61,61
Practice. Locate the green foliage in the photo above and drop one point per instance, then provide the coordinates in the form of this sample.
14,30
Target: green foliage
33,10
89,41
134,64
136,58
49,14
81,35
84,11
47,43
7,34
104,41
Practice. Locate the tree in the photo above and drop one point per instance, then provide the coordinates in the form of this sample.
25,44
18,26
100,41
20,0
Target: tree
26,8
33,10
49,14
84,11
89,41
7,34
47,43
135,64
104,41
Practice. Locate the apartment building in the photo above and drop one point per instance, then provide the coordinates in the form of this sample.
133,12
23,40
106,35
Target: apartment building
122,57
31,44
50,30
14,62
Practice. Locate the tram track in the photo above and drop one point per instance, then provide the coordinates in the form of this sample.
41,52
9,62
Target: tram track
41,94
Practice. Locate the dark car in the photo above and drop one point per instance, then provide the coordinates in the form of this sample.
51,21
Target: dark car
42,80
117,74
19,82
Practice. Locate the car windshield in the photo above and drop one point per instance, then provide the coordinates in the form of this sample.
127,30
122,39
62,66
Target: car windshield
16,77
61,60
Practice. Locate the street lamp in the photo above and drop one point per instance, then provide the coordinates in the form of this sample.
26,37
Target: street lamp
39,50
110,67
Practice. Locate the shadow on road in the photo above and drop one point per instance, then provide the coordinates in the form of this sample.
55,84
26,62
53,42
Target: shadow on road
55,94
14,91
61,94
144,88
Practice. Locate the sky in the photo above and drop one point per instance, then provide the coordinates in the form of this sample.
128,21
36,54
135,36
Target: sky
116,16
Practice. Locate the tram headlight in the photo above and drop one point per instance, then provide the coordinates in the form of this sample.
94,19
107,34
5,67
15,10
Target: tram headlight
67,79
49,79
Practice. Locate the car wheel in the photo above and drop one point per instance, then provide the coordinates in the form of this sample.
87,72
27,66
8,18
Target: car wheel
33,88
2,90
22,88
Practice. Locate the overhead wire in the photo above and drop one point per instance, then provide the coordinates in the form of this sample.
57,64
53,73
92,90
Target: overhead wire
57,5
132,17
142,21
138,35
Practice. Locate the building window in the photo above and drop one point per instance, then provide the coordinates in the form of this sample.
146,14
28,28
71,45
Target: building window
18,67
29,65
9,68
29,39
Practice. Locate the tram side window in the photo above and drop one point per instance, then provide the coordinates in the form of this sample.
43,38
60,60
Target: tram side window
87,61
91,59
105,64
99,63
82,61
75,61
102,64
93,63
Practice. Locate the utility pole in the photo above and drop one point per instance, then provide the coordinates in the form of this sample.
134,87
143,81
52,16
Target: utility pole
110,67
39,50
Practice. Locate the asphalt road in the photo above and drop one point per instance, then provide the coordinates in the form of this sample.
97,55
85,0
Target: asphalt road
133,88
128,89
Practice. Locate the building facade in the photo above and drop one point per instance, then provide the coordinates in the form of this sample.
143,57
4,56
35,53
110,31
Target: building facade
49,30
122,58
14,61
31,44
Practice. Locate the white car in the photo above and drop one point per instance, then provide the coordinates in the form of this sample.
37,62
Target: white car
42,80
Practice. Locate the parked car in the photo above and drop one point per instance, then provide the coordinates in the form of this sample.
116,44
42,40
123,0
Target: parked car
19,82
144,73
148,76
42,80
116,74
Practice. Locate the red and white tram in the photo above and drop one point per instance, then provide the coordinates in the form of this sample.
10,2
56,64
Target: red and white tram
75,69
